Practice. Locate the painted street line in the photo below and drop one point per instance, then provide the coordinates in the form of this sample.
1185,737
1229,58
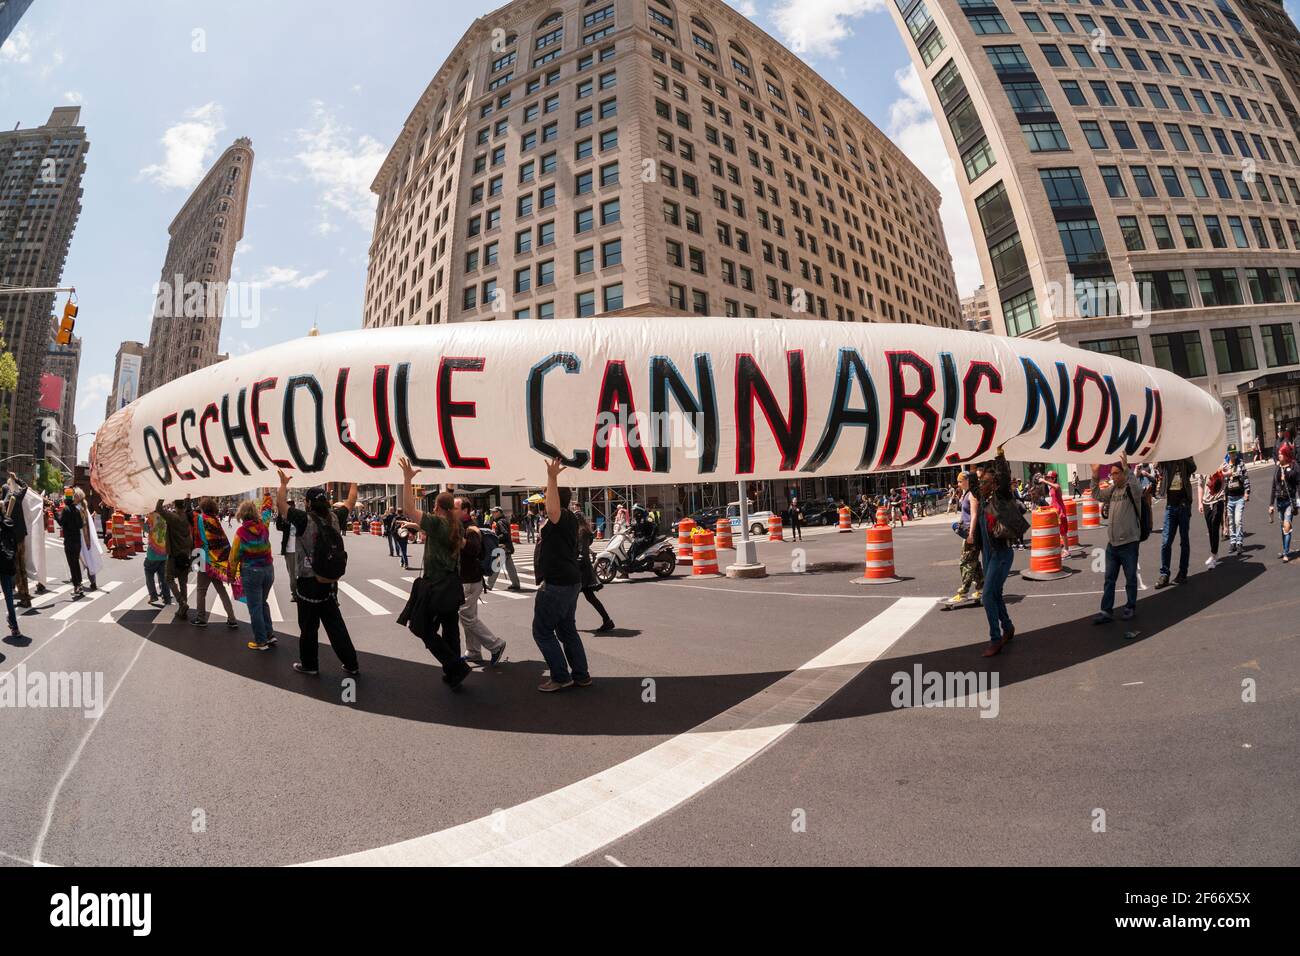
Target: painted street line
91,596
370,607
126,605
40,600
560,827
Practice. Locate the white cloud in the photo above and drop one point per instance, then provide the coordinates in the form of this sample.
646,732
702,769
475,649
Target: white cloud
93,392
816,27
342,166
913,129
275,277
18,48
73,96
188,146
747,8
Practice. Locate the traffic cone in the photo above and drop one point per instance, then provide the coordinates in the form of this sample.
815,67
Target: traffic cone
1091,511
722,534
1045,553
846,520
775,530
879,567
704,556
685,550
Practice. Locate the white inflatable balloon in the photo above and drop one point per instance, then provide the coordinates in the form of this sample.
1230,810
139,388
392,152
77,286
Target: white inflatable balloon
640,401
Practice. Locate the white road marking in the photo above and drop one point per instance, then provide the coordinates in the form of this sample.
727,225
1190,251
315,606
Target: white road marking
560,827
40,600
275,608
512,595
390,588
169,610
91,596
614,862
370,607
126,605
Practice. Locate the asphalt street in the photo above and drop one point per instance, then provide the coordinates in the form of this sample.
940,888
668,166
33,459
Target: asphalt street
730,722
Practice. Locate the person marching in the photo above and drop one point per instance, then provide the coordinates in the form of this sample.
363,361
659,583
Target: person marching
319,538
155,560
433,611
590,583
180,542
1236,494
288,551
252,564
214,570
1282,496
972,574
796,516
506,544
477,634
11,548
73,526
559,579
1176,479
1123,536
1210,493
997,525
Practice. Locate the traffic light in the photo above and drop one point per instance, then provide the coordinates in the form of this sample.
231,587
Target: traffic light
67,324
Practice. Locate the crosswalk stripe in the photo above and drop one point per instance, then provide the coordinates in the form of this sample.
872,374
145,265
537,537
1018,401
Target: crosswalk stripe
513,595
169,610
367,605
73,608
275,608
126,605
40,600
390,588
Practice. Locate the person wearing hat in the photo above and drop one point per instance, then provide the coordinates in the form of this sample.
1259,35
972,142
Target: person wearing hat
318,601
1236,490
501,528
1123,534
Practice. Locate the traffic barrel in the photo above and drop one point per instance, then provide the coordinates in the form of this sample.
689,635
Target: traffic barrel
1045,553
882,515
377,528
49,520
1091,511
775,530
704,555
134,539
1072,526
514,534
722,534
685,550
117,528
356,527
880,557
846,519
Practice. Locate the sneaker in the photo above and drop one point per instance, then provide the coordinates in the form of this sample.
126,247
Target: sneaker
351,671
1181,578
78,594
975,595
254,646
957,598
1127,614
550,687
1102,618
604,628
232,624
582,682
514,587
472,658
272,640
181,615
1163,582
297,665
1212,562
200,622
497,655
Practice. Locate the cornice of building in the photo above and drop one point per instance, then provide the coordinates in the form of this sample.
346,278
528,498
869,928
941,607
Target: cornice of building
242,144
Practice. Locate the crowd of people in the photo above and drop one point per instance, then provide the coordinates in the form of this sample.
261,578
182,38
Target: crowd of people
992,521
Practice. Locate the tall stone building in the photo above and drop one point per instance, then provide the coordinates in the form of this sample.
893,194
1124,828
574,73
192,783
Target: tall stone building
40,201
1279,34
1131,174
64,362
584,157
11,12
126,377
186,327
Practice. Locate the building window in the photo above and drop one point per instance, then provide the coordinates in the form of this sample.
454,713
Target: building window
1180,353
1234,349
613,297
1020,313
1218,287
1125,347
1279,344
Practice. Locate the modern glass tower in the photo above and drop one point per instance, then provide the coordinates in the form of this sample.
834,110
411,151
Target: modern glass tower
1130,171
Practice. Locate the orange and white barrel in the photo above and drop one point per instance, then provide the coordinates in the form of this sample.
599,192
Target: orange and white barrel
846,520
704,555
685,549
1045,546
377,528
1091,512
1072,526
775,530
722,534
117,528
880,557
49,520
882,515
514,534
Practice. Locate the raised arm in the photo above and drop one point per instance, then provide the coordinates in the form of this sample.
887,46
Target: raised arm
410,504
553,469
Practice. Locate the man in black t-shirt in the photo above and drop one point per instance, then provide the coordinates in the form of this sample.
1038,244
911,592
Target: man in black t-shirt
1176,477
559,582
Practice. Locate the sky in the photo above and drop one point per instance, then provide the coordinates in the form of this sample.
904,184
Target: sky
322,89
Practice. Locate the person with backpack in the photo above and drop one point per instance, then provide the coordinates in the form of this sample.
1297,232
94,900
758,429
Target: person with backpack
996,527
1236,490
322,560
1129,525
1210,502
389,517
505,548
432,612
474,554
1282,496
972,575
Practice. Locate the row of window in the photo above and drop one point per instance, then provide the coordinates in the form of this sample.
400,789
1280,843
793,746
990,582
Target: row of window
1234,349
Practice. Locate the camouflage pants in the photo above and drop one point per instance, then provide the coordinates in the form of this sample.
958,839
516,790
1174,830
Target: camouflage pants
972,574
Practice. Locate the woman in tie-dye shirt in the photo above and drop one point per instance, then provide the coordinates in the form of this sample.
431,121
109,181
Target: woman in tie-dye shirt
250,559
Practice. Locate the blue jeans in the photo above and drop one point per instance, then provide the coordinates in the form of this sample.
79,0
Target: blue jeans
1236,513
1177,520
997,566
7,583
257,589
555,629
1117,556
1285,515
155,579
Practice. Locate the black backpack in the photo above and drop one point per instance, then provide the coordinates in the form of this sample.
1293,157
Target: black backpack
1144,513
490,547
329,560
